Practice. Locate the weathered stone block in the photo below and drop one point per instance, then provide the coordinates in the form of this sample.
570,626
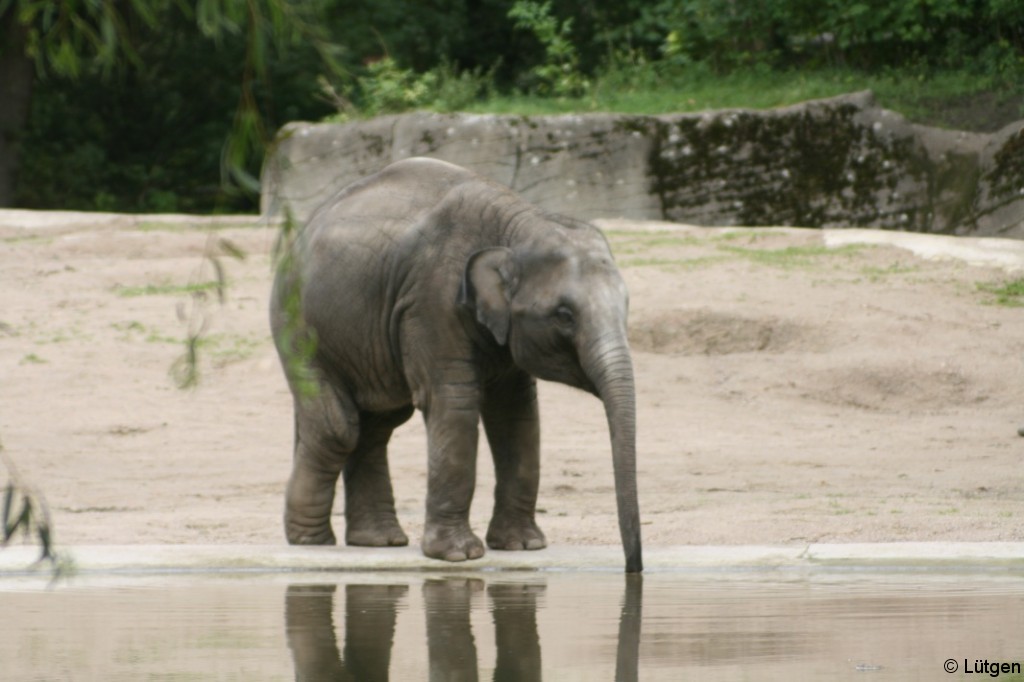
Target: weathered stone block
836,162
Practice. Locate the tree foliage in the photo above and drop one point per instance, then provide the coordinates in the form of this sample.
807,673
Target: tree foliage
870,34
143,104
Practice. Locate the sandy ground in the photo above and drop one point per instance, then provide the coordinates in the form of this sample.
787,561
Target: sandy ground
788,393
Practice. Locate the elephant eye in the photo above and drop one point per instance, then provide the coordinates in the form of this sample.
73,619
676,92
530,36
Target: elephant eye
565,316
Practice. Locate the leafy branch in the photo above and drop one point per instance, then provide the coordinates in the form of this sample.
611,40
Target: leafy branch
195,313
296,339
24,511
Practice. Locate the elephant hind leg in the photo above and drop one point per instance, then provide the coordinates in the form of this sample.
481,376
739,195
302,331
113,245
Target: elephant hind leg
370,517
326,432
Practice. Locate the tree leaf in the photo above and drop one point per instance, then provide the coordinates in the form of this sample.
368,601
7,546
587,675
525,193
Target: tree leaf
8,501
231,249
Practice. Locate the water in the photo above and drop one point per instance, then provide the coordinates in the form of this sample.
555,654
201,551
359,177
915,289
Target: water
512,626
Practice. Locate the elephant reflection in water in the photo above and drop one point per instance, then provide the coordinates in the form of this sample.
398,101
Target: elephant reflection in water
371,612
450,643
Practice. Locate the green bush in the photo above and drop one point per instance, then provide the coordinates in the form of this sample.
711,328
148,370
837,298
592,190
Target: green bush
559,74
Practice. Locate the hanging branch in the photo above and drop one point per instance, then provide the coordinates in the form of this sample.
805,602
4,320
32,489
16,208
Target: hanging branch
23,510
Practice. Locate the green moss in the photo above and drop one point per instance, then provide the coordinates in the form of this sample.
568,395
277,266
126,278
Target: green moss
1007,174
812,167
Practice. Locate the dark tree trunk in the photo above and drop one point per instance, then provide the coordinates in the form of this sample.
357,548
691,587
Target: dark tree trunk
16,75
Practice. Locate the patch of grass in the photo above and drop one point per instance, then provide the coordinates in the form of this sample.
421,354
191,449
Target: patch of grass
791,257
167,289
50,336
32,359
837,509
876,274
648,89
651,239
211,225
1009,294
671,263
28,239
228,348
749,236
133,329
129,326
157,337
654,88
644,243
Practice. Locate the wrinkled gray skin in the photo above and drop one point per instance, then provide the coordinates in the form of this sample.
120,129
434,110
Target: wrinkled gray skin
431,287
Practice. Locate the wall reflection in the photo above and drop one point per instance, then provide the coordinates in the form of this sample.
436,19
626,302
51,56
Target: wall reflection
371,613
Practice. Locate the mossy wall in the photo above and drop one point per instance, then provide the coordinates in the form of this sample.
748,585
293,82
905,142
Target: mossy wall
841,162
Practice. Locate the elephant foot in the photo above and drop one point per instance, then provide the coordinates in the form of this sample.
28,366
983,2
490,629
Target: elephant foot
375,533
306,535
451,543
515,534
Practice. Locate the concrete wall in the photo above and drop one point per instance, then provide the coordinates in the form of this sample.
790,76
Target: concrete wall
828,163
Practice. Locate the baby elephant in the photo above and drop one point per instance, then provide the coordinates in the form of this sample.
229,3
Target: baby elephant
428,286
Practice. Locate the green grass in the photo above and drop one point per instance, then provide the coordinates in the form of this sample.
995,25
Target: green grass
166,289
650,239
748,235
641,91
791,257
671,263
222,348
649,89
836,508
210,225
1010,294
634,249
877,274
228,348
134,330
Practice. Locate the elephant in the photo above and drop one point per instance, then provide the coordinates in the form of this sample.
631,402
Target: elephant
427,286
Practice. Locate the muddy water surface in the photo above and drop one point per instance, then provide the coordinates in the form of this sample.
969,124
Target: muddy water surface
513,626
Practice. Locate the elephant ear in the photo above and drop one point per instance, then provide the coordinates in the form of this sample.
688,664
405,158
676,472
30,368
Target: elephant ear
487,285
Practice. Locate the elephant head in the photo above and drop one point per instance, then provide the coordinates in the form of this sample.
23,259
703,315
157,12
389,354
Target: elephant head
560,306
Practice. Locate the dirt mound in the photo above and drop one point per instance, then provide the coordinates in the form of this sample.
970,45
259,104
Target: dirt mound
898,388
706,332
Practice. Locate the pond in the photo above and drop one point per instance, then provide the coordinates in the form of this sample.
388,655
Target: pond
731,625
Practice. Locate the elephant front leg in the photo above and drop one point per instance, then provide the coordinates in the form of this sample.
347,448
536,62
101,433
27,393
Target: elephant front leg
452,432
511,419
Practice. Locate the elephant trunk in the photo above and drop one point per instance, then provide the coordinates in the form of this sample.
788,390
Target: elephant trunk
609,367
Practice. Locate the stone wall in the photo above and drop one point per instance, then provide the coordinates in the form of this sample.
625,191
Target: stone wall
827,163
